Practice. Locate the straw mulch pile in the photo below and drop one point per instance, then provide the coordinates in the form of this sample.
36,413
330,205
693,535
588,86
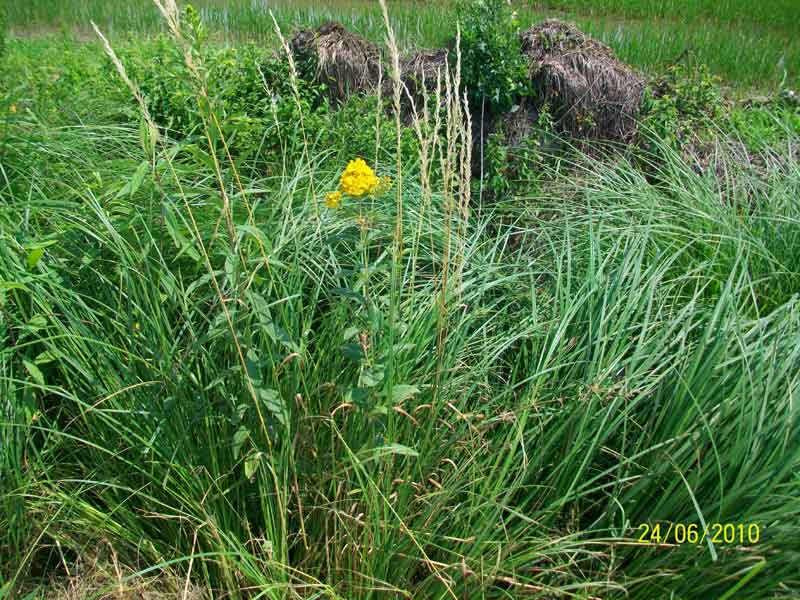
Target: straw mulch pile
420,72
589,91
345,62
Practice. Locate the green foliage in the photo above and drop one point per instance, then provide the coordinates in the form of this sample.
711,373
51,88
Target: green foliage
492,66
352,130
684,101
251,410
511,171
522,168
249,92
61,82
764,127
3,27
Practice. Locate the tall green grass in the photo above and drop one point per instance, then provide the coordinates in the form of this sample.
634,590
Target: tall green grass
299,406
777,14
752,46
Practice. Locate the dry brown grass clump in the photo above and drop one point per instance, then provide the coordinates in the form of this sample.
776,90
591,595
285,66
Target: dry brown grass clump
344,61
590,92
518,124
421,70
110,582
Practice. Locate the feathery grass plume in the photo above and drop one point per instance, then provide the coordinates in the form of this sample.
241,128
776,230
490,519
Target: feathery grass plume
134,89
169,10
397,91
293,81
463,132
378,112
466,161
426,136
452,155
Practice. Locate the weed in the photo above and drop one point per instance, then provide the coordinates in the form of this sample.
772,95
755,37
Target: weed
684,100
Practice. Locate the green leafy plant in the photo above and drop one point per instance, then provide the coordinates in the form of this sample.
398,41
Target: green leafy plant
492,67
350,131
520,168
685,100
3,27
248,88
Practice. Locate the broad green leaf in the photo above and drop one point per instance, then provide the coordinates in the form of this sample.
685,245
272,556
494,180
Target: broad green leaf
36,323
251,463
244,230
372,376
48,356
130,188
231,264
351,332
181,242
273,402
148,136
253,363
388,450
347,293
34,256
379,411
34,371
399,393
12,285
352,352
279,334
359,396
239,438
201,281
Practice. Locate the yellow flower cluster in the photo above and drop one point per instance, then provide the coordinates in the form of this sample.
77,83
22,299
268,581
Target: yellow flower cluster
333,199
358,179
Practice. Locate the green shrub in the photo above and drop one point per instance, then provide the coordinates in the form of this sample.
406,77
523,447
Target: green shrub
249,93
493,68
3,26
520,169
351,131
684,100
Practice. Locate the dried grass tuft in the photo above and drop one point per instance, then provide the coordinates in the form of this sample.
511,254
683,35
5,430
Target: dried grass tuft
591,93
344,61
110,581
420,72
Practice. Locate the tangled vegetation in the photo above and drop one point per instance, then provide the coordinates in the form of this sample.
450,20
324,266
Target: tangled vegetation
263,339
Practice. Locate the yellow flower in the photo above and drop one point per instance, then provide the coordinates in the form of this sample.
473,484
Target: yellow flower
333,199
13,108
358,179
